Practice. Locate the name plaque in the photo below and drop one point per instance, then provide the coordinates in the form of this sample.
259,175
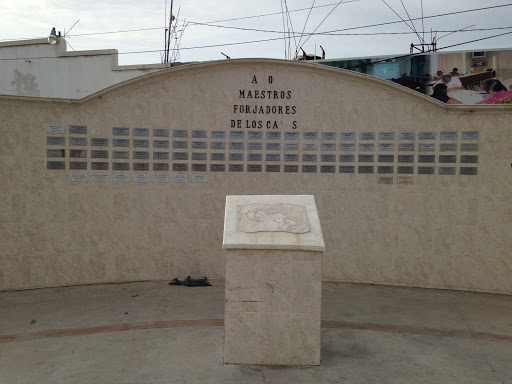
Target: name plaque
291,136
327,169
180,133
430,147
309,158
348,136
78,153
468,171
116,131
291,157
121,155
141,178
99,178
406,136
140,132
386,158
309,146
347,158
273,146
217,156
121,166
218,145
310,135
447,158
366,158
385,180
426,170
451,147
79,177
55,153
160,132
141,166
365,169
328,158
273,157
199,178
54,129
198,167
140,143
386,147
163,156
406,158
160,143
97,142
329,135
407,180
386,135
199,145
291,168
328,147
470,135
179,178
427,136
237,145
78,129
78,141
367,147
198,156
272,168
273,135
446,170
180,155
347,169
254,146
236,157
236,167
255,135
218,134
180,144
55,165
180,167
199,134
469,158
140,155
426,159
121,142
81,165
160,178
254,168
406,147
217,167
160,167
236,135
99,166
405,170
469,147
448,136
309,168
254,157
366,135
385,169
347,147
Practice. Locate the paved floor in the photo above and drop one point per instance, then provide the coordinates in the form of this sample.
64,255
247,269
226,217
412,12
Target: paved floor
150,332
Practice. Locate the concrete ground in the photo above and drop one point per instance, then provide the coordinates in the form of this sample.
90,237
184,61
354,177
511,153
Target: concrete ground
150,332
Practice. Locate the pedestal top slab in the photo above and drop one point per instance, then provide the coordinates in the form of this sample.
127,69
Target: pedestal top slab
272,222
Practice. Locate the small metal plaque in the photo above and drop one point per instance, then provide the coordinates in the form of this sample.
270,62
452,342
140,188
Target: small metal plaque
406,147
198,167
348,135
291,157
78,129
236,134
291,168
366,147
254,167
160,178
141,178
329,135
469,158
78,177
217,156
426,170
328,158
99,142
141,166
180,133
121,155
95,154
385,180
121,142
55,165
82,165
385,169
140,143
160,143
180,155
77,153
198,156
347,147
218,134
427,147
236,157
199,134
309,158
406,136
468,171
365,169
309,168
255,135
366,158
273,157
347,158
121,166
116,131
327,169
217,167
447,158
426,158
386,135
427,136
78,141
218,145
448,136
273,146
199,178
140,155
140,132
236,145
121,178
446,170
406,158
291,136
291,146
254,157
162,156
386,147
273,135
469,147
346,169
405,170
310,135
309,146
407,180
199,145
180,144
448,147
99,178
99,166
236,167
470,135
179,178
180,167
386,158
55,153
54,129
254,146
272,168
160,132
328,147
366,135
160,167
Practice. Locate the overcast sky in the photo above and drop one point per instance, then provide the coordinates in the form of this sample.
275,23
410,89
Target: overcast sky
34,19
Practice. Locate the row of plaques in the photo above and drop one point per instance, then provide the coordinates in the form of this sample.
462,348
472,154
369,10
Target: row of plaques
138,178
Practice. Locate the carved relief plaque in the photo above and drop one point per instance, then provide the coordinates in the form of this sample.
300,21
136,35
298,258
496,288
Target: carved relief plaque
291,218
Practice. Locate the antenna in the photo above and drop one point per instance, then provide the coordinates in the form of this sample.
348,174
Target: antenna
65,33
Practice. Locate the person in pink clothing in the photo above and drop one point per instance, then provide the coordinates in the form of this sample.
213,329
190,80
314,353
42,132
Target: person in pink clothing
496,92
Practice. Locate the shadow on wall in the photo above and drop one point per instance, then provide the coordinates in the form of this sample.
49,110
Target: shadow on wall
24,84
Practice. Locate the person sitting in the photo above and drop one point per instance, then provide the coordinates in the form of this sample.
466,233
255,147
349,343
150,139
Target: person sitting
496,92
452,83
455,72
441,94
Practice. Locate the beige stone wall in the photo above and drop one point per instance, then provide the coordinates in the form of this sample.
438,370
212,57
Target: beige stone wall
443,231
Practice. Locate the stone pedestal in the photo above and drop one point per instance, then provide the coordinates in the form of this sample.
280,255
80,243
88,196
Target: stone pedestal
273,280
